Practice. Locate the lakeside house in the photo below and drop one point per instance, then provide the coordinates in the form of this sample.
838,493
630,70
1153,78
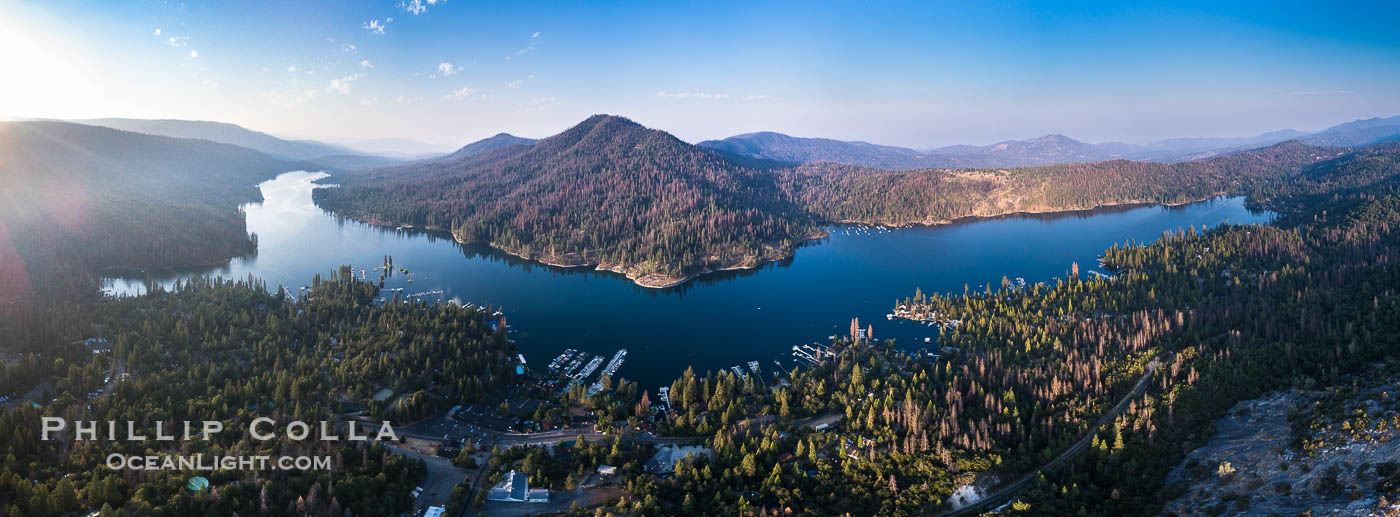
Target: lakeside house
515,488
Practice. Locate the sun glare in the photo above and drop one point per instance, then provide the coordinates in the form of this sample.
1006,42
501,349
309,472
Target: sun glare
42,79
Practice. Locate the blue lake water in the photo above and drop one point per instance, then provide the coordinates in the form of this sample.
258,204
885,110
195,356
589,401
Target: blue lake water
716,321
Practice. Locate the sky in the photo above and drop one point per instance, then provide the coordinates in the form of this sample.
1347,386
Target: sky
918,74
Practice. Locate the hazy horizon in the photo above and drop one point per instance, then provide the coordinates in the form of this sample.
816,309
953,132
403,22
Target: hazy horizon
448,72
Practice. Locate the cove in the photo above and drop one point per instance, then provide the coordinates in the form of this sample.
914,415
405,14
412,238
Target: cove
712,322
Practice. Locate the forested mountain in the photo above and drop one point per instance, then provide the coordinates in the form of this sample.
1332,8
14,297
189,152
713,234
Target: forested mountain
489,144
76,198
1045,150
613,193
319,154
847,193
783,148
226,133
607,191
1358,132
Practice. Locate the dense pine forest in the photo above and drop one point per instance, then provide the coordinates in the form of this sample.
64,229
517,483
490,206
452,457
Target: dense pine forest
1207,317
611,192
230,352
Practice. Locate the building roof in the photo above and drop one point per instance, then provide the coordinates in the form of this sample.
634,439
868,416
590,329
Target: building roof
435,511
664,461
516,487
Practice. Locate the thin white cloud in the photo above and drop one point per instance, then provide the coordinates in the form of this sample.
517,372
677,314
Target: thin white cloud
342,85
210,84
366,64
419,6
194,53
348,48
407,100
368,101
292,68
539,104
157,32
460,93
374,27
528,48
445,69
177,41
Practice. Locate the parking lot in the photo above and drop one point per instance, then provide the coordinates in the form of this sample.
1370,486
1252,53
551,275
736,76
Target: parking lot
442,475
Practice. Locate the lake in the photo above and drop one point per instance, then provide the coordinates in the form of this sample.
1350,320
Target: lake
715,321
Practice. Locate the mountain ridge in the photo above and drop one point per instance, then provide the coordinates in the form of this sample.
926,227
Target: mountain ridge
1044,150
332,156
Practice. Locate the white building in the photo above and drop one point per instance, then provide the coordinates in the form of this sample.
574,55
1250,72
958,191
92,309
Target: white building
516,488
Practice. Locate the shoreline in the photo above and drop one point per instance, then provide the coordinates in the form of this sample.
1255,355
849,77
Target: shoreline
1033,212
660,281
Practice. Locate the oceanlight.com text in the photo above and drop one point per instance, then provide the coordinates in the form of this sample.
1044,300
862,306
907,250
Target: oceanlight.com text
118,461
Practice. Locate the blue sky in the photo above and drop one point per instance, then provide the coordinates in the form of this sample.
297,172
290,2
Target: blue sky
916,74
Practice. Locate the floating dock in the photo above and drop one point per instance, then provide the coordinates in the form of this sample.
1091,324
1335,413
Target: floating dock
588,370
608,370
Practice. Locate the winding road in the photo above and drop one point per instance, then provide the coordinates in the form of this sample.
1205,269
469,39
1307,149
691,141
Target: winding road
1006,492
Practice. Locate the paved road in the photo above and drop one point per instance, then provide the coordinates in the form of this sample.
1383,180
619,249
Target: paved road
1006,492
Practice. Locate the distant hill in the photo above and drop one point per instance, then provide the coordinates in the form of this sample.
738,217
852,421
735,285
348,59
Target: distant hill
1358,133
346,162
1012,153
125,200
1045,150
612,193
783,148
489,144
238,135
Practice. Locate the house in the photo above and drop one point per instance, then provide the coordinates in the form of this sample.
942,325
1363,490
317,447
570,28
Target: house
664,461
435,511
515,488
